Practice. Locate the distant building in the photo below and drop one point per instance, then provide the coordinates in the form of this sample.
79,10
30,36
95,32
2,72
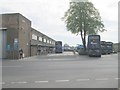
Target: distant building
116,47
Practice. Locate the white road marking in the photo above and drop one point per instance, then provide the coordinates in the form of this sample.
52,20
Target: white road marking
63,54
10,66
117,78
41,81
24,82
82,79
2,83
54,59
19,82
102,79
62,80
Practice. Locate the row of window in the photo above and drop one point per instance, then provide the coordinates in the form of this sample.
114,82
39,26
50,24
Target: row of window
35,37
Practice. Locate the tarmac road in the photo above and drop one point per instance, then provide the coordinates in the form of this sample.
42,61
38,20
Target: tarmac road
61,71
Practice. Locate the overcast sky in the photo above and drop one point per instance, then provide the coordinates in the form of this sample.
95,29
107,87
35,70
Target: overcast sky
46,17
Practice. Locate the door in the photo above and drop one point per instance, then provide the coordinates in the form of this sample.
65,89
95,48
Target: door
3,43
0,44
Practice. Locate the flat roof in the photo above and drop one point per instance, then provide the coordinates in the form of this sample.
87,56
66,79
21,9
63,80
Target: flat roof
15,14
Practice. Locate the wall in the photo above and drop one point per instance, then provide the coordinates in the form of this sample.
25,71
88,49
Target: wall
10,21
118,47
41,46
24,35
33,50
115,47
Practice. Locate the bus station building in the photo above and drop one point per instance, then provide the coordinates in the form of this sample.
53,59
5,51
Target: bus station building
16,33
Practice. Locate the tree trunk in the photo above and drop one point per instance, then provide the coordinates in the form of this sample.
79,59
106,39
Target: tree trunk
84,44
84,38
83,41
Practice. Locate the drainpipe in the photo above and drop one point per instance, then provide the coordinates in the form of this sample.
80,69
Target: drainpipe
30,48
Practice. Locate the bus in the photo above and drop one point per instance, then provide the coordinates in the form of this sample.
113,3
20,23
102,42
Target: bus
58,47
109,46
94,45
103,47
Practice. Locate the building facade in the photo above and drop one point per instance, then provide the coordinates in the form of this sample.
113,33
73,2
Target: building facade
40,43
19,34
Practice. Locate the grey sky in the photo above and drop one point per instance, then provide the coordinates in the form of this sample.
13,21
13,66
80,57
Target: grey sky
46,17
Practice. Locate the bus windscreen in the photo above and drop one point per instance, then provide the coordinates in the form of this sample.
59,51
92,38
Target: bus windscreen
94,42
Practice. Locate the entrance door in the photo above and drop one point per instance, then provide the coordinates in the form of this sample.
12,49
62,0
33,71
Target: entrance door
2,43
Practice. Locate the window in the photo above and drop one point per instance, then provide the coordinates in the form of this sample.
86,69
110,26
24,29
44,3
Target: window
34,37
48,41
40,38
44,40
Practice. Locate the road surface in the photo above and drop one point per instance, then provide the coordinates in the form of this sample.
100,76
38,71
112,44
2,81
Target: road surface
61,71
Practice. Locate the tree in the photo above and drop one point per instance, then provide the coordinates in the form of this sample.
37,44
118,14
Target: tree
82,18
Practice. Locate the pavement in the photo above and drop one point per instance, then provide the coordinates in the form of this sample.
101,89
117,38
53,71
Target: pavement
65,70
